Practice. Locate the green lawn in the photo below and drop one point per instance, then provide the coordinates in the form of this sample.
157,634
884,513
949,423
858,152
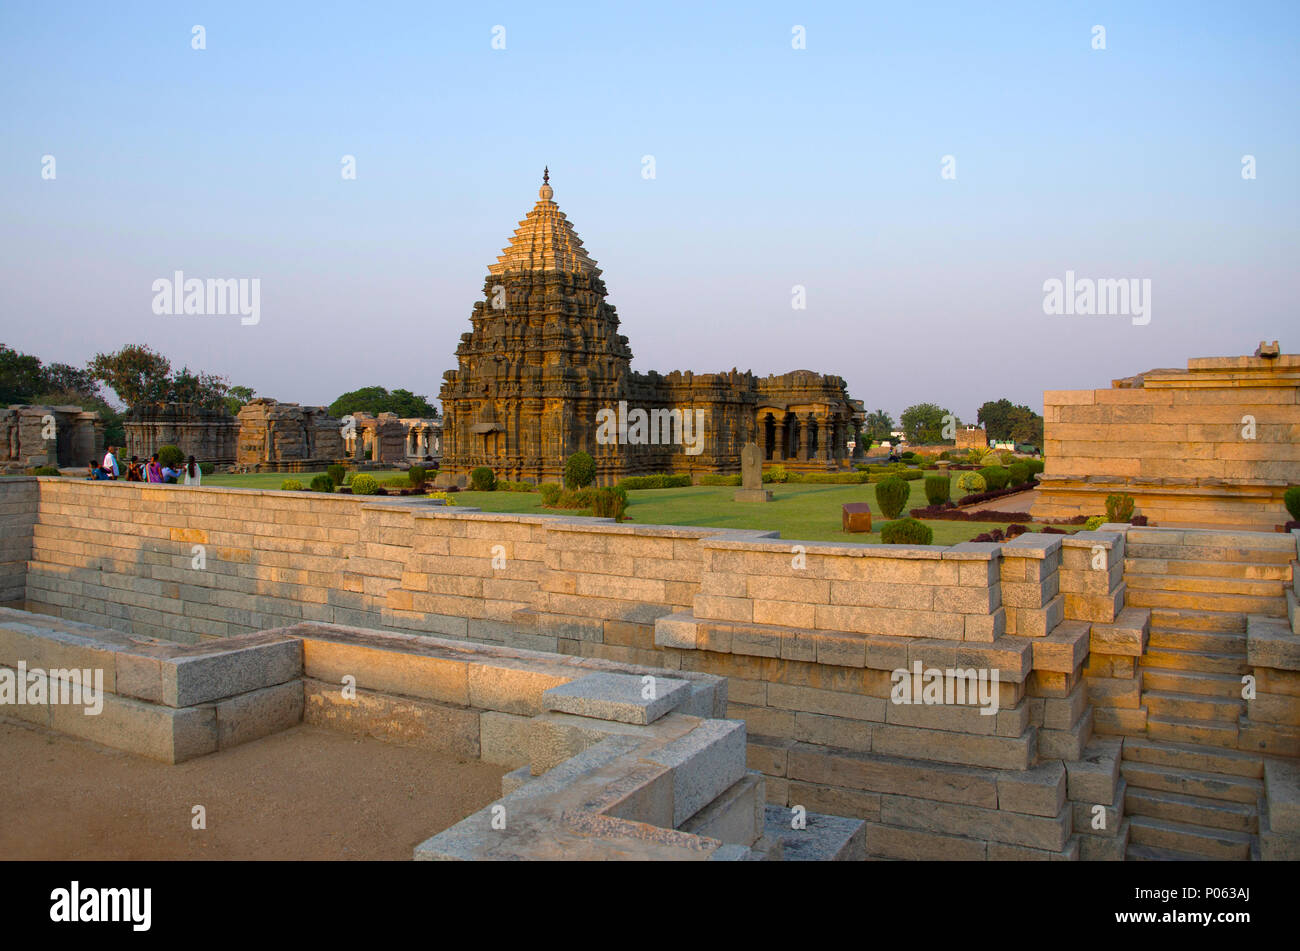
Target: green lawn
798,512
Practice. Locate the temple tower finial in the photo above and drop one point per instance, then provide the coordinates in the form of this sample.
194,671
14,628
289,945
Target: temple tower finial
546,191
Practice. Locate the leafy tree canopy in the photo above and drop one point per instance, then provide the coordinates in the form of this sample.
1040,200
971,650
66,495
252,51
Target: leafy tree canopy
924,423
375,400
878,425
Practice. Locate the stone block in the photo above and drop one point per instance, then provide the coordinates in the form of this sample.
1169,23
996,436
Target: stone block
821,838
258,713
621,697
704,762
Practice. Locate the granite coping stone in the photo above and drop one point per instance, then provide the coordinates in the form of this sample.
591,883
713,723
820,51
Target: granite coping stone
620,697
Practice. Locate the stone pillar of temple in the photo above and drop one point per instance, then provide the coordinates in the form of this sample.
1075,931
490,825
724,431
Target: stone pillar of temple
805,436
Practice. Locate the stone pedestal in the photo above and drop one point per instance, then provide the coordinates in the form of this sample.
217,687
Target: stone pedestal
856,517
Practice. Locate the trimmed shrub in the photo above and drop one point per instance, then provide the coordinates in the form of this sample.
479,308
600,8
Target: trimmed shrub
482,479
906,531
288,485
504,486
938,489
714,478
579,471
995,477
322,483
1119,507
395,482
207,468
891,496
1094,523
550,493
610,503
1036,466
364,484
1291,497
336,473
776,474
46,471
170,457
347,478
970,483
416,475
911,475
1019,473
446,497
659,481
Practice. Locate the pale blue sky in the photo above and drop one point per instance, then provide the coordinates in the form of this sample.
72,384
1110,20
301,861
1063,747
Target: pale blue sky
774,167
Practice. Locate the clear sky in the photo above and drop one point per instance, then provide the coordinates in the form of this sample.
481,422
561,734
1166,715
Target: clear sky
774,167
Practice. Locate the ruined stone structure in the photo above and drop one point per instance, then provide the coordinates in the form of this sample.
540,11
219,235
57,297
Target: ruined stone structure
209,435
286,437
970,437
75,437
1214,445
544,361
423,438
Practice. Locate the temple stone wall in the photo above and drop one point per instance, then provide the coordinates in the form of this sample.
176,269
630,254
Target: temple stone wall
286,437
64,436
1216,444
209,435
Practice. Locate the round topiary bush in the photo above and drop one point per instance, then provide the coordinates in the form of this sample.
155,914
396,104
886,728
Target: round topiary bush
995,477
968,483
891,496
364,484
1035,465
579,471
170,457
483,479
416,475
1291,497
336,473
322,483
288,485
906,531
1019,473
938,489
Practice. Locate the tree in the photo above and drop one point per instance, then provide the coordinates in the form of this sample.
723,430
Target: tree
1026,426
878,425
135,373
61,378
994,416
375,400
236,397
203,389
924,423
21,376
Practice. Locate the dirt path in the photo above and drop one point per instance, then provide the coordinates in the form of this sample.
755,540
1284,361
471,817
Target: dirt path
306,793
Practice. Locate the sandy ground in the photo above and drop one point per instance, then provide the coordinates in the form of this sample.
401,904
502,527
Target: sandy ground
306,793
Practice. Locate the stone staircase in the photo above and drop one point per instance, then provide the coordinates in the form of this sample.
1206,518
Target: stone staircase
1192,783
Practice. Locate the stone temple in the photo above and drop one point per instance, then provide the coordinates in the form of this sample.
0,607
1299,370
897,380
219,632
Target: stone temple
545,365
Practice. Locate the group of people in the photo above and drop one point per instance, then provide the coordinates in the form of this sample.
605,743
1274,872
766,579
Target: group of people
152,471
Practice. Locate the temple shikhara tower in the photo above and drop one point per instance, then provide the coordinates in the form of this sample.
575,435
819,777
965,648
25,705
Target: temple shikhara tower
544,364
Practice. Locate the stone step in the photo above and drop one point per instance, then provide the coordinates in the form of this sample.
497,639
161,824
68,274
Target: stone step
1281,552
1191,782
1211,569
1191,810
1215,642
1147,853
1202,584
1194,732
1245,604
1205,662
1200,759
1220,844
1193,619
1190,706
1191,682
